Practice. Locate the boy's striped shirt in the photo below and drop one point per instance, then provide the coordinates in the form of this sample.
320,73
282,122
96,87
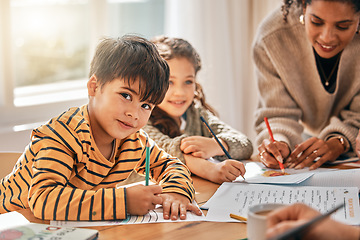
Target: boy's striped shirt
63,176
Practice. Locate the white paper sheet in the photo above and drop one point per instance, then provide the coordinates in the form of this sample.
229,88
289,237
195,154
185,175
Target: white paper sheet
254,171
12,219
236,198
337,178
154,216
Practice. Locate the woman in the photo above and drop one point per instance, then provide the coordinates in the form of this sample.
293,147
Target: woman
308,73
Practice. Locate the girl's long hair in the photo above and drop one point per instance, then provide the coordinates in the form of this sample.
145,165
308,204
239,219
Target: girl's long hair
170,48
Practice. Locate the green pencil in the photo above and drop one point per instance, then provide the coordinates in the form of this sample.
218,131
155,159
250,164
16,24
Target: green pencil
147,164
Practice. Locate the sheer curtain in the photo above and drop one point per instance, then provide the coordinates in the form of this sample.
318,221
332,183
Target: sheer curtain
222,31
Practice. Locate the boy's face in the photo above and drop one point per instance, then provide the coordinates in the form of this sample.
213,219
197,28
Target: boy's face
115,109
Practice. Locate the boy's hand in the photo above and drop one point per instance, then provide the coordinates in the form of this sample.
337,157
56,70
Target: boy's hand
141,199
227,171
202,147
175,204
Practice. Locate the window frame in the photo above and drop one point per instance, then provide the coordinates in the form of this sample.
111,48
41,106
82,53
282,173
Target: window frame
11,115
29,105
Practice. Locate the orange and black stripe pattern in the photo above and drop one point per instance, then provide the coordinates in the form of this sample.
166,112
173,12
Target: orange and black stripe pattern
63,176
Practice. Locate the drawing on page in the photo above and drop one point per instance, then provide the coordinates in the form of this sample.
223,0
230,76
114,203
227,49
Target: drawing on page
273,173
151,216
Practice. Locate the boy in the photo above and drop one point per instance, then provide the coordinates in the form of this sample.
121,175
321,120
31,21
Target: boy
71,168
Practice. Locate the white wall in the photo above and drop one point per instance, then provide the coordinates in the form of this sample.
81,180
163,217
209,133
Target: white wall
222,31
14,137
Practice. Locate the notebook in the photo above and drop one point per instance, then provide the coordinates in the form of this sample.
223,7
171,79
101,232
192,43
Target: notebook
14,225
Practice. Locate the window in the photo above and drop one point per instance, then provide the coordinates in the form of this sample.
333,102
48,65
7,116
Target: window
50,41
144,17
47,45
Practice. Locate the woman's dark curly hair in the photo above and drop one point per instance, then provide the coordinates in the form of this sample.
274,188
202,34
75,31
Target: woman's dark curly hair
303,3
170,48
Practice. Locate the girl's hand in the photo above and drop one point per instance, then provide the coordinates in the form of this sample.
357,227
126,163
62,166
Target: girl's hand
141,199
175,205
202,147
271,153
315,149
226,171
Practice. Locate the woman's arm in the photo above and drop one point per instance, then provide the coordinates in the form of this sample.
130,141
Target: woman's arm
275,102
346,124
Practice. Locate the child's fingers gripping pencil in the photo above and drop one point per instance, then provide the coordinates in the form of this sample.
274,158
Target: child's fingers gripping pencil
217,140
273,140
147,163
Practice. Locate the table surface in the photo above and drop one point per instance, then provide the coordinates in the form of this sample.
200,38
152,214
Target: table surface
178,230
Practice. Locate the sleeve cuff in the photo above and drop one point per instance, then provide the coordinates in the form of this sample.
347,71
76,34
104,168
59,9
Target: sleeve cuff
343,140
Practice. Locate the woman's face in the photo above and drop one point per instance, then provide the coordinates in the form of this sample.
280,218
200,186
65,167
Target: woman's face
330,26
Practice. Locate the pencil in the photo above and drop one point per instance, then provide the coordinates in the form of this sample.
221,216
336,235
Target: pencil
237,217
217,140
273,140
296,232
147,163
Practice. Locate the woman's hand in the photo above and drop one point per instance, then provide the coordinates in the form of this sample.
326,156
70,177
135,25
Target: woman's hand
271,153
315,149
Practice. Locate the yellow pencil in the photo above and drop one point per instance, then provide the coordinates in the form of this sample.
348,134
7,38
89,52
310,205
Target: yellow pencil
237,217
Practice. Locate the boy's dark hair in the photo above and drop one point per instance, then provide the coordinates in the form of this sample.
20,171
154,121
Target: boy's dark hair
170,48
132,58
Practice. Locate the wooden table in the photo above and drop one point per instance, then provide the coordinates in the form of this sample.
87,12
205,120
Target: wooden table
177,230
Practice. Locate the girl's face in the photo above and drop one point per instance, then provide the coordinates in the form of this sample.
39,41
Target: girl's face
330,26
182,88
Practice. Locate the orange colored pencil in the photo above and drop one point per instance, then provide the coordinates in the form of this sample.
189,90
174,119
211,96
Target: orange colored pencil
273,140
237,217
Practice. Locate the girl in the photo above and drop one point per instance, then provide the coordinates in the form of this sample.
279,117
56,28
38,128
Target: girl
308,71
175,124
